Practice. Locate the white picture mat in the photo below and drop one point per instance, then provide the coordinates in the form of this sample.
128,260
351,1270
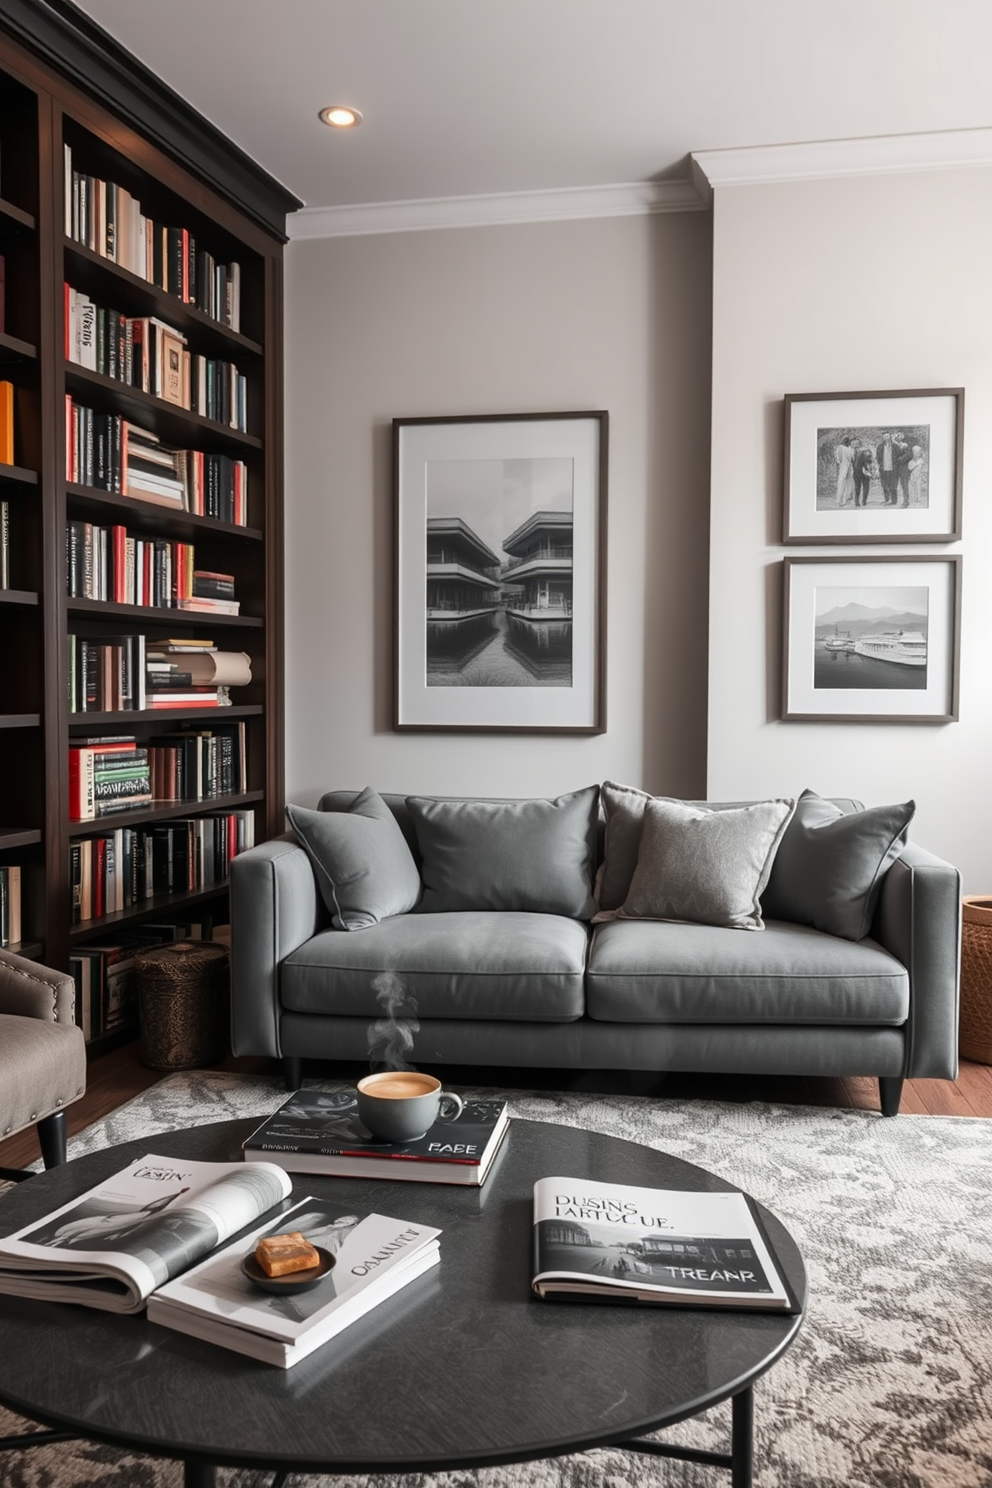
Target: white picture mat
576,439
804,579
939,411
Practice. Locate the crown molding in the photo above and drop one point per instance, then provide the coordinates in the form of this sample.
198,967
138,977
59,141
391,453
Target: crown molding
873,155
632,199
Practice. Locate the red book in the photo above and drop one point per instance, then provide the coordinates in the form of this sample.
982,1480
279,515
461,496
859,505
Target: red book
99,877
118,537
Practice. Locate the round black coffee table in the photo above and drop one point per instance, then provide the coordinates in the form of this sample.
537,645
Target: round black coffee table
464,1368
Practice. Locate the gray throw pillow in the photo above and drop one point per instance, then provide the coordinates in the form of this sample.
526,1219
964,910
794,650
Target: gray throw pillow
531,855
706,866
623,808
363,864
830,866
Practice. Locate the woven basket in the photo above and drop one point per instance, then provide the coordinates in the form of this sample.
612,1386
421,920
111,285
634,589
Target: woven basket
184,996
975,1040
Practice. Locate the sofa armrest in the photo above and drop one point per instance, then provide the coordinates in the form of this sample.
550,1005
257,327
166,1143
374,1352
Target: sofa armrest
918,919
35,991
275,907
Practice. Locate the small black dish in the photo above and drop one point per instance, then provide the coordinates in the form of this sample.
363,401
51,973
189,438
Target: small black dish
293,1281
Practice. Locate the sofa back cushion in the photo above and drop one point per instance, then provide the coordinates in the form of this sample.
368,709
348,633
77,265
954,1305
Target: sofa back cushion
829,868
531,855
363,864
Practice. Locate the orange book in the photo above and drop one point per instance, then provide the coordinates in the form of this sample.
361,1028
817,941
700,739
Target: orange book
6,423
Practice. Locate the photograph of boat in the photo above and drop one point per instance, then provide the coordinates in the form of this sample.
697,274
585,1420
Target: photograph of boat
870,638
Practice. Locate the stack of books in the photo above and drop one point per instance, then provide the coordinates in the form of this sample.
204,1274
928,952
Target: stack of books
107,775
153,471
318,1131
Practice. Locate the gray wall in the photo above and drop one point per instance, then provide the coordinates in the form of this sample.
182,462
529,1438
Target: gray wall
610,314
877,282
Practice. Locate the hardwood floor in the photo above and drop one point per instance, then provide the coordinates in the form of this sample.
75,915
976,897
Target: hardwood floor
115,1077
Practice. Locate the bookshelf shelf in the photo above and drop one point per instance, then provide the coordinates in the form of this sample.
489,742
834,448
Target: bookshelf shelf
73,131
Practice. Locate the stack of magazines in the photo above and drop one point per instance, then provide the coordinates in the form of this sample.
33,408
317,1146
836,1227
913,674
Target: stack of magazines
158,1235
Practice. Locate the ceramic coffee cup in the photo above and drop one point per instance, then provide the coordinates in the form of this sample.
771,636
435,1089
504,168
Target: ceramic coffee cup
402,1105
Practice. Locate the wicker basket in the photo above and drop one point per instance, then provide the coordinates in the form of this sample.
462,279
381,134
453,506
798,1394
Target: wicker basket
184,995
975,1040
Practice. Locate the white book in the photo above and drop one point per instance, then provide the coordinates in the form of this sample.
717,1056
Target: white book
374,1257
83,342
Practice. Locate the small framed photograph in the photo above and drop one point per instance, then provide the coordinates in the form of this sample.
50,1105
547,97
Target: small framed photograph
500,572
873,467
872,640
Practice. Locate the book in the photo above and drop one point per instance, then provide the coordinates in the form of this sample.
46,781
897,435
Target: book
4,544
374,1258
319,1132
615,1242
6,423
113,1246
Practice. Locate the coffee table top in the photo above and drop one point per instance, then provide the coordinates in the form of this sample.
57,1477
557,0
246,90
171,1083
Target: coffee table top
464,1367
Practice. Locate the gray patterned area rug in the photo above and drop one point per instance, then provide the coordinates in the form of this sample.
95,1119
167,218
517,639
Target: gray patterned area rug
890,1382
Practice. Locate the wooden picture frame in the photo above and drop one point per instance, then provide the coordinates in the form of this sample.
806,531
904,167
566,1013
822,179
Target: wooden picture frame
873,467
871,640
500,572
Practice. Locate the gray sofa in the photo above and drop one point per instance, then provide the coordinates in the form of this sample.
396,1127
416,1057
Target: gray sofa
524,988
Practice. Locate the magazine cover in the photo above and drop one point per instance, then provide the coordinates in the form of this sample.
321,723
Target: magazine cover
374,1257
113,1246
652,1245
319,1131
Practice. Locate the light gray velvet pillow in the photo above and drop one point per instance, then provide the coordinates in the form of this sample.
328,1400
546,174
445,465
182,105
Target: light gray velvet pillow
364,867
830,866
532,855
706,866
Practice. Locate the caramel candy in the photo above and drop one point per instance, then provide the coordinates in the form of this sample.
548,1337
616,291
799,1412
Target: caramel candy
278,1255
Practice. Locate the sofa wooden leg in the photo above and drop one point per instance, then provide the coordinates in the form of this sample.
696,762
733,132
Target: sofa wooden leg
890,1094
52,1132
292,1069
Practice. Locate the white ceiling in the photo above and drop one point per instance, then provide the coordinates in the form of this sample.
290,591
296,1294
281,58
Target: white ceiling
469,97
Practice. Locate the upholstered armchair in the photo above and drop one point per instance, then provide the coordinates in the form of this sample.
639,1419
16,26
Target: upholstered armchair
42,1053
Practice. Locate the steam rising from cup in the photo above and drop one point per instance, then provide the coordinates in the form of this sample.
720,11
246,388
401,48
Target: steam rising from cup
390,1038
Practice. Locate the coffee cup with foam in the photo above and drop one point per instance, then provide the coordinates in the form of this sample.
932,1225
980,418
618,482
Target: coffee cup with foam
402,1105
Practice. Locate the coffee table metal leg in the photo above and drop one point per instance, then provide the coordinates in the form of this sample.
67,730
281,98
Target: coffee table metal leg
742,1439
197,1474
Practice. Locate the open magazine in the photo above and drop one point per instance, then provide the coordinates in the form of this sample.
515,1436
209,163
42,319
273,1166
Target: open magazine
373,1258
116,1244
621,1243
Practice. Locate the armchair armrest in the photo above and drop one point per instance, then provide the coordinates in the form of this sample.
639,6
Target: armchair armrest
33,991
918,919
275,907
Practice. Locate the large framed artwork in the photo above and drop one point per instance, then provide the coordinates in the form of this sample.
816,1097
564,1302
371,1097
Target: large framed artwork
872,640
501,572
873,467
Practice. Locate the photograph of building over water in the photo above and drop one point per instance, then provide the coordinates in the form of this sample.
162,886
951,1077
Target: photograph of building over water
498,605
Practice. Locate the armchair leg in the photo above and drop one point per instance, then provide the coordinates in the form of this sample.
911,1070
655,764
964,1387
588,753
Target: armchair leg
890,1094
292,1069
52,1133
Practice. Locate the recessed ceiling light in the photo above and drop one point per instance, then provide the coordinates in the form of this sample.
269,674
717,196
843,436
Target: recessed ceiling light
340,116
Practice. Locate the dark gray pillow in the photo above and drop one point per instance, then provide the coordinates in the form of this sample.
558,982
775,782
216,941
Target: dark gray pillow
623,808
830,866
532,855
363,864
706,866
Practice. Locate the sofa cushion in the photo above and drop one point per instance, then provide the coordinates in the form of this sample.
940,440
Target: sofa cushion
623,810
532,855
361,859
710,867
830,865
649,972
508,966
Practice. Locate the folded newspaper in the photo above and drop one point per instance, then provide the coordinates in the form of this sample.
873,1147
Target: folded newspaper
620,1243
373,1258
116,1244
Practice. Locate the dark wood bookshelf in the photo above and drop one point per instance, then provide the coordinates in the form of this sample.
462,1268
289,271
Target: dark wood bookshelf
65,83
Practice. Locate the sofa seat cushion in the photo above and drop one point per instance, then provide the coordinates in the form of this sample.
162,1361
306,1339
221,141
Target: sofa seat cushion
646,972
466,964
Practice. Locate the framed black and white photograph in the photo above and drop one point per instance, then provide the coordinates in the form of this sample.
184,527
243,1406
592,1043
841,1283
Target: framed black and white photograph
872,640
873,467
500,572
